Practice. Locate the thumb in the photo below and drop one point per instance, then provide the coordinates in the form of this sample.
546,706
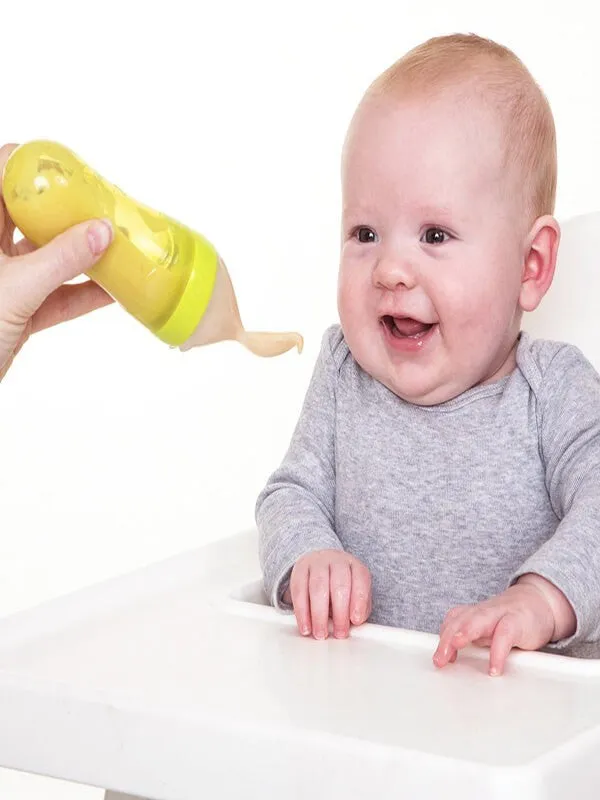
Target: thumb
36,275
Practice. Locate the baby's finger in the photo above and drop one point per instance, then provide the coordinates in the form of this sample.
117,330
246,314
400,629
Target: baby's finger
340,581
360,596
506,634
446,651
318,590
300,599
478,625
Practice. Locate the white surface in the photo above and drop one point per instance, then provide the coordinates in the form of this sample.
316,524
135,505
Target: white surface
116,452
119,796
167,681
17,785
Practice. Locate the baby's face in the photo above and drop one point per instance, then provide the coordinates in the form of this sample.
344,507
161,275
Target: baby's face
433,248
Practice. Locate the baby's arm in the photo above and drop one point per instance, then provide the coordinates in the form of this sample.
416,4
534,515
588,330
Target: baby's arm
554,598
295,515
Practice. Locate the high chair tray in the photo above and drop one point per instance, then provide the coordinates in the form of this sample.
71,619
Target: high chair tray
178,682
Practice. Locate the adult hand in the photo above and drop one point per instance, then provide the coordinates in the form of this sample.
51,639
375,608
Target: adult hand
32,294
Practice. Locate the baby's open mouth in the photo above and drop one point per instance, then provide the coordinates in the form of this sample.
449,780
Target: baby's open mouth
406,327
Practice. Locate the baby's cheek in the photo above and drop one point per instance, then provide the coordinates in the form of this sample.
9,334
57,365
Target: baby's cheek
345,295
355,299
471,309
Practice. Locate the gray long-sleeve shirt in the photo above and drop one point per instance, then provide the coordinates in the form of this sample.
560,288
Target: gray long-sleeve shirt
447,504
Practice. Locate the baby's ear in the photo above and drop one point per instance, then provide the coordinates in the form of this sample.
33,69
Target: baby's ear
541,248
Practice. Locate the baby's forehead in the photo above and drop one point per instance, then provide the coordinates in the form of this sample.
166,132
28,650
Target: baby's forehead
462,111
406,139
452,135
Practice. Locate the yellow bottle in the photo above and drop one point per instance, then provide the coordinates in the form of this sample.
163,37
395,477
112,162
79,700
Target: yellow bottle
166,275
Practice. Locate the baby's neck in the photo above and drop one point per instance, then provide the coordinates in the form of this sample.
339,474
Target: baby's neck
505,365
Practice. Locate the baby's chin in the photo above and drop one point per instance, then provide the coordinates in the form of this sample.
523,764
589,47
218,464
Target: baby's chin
421,396
420,385
419,390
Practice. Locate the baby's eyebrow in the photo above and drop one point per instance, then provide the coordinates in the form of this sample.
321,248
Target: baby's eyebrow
416,213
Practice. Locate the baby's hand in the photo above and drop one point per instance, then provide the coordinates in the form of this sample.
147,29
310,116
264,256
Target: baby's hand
528,615
327,579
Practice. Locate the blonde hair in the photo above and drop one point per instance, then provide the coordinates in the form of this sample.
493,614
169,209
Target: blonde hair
501,79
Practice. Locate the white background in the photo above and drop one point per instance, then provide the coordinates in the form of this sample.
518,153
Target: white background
115,450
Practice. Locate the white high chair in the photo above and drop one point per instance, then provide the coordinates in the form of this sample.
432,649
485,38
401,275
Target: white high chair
178,682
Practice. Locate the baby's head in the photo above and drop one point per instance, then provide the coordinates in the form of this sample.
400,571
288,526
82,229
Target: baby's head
449,180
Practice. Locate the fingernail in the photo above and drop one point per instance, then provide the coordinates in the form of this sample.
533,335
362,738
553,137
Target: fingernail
305,630
493,672
355,618
319,634
339,633
99,236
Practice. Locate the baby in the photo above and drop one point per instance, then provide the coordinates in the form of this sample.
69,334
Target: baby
444,474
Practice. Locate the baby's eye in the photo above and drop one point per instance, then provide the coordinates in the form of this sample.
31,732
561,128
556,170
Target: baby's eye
364,235
435,236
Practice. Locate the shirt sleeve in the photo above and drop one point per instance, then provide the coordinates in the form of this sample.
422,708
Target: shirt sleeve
295,511
569,440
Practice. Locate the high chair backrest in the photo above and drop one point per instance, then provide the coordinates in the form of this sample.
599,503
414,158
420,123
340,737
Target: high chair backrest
570,310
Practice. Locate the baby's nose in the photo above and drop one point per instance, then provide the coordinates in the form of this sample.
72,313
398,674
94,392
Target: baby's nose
393,271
